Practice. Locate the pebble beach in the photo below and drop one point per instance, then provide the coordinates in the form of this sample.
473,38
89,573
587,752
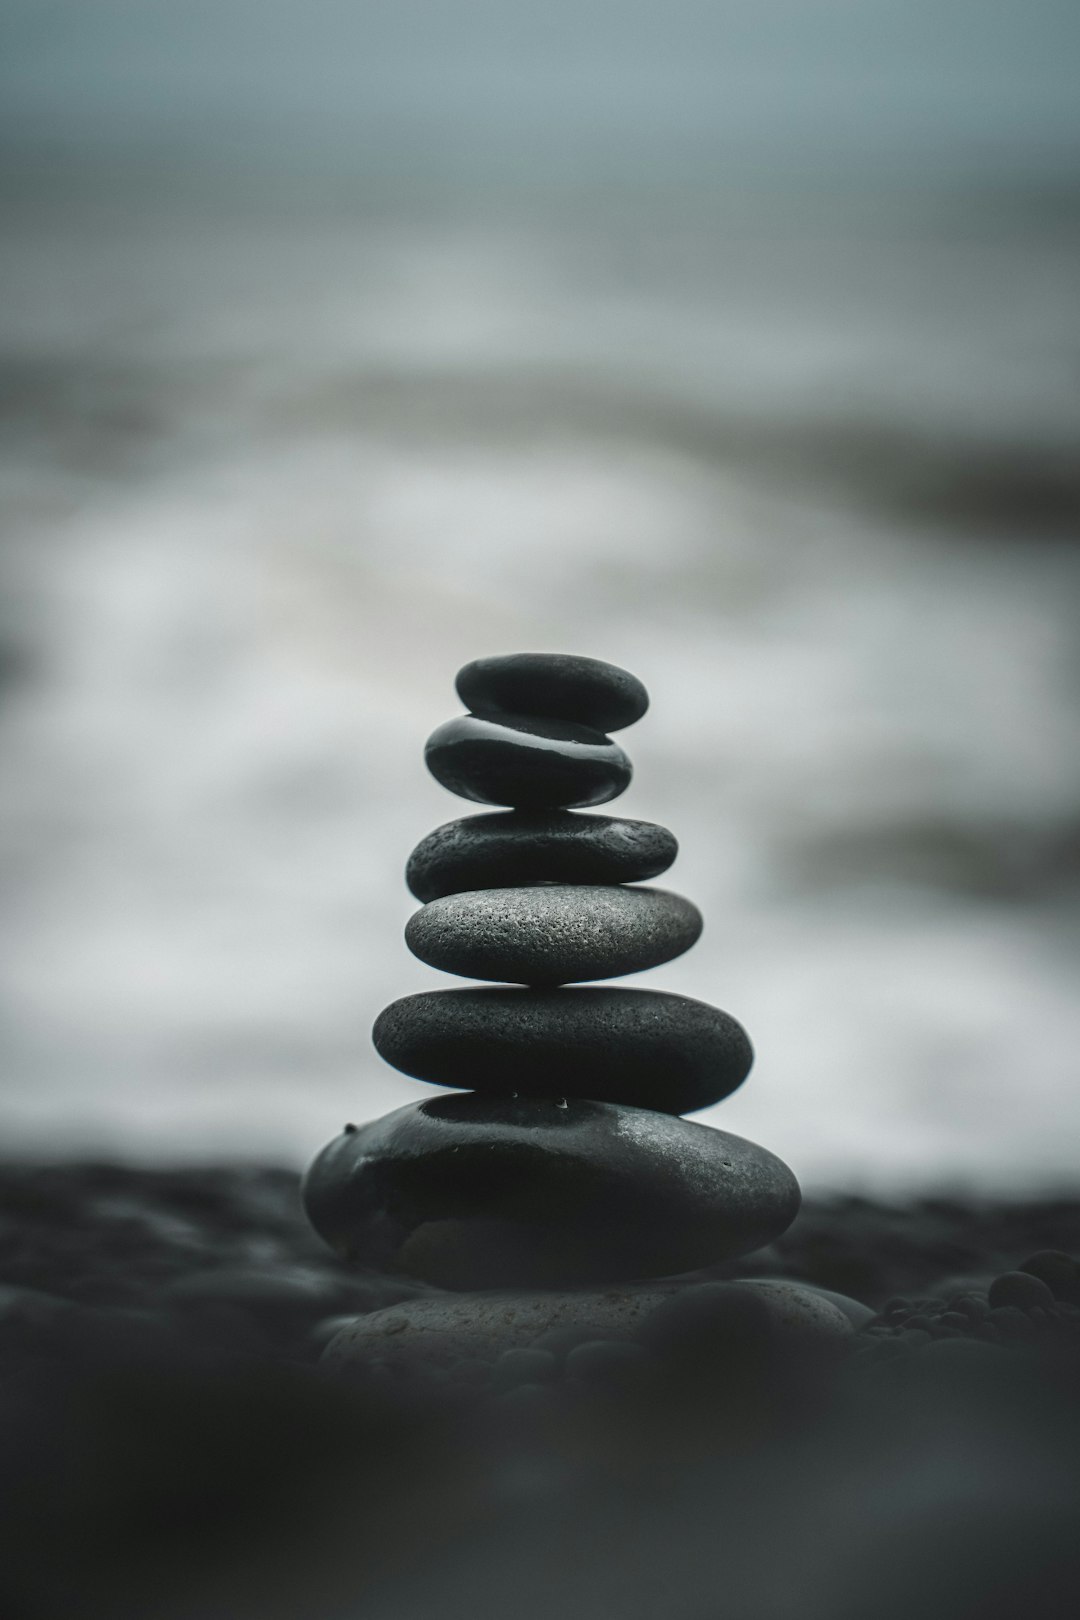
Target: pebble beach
175,1446
735,346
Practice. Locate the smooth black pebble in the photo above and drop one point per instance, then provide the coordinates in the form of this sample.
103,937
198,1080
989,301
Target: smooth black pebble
1020,1290
529,764
1058,1271
474,1192
560,686
608,1363
646,1048
509,848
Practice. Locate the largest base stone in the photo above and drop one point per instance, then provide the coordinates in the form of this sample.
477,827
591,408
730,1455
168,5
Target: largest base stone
446,1328
475,1191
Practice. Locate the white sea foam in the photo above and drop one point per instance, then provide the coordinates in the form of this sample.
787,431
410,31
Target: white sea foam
277,481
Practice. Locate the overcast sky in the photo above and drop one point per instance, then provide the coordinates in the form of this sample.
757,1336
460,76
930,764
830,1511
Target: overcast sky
943,84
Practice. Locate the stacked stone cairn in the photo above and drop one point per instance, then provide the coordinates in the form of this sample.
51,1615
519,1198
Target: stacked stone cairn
563,1163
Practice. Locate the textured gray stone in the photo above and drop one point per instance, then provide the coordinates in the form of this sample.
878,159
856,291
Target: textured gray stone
804,1309
447,1328
472,1192
527,763
647,1048
856,1312
501,850
452,1327
559,686
554,933
707,1322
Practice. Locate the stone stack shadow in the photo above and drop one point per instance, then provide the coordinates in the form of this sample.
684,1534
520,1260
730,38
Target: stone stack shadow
564,1162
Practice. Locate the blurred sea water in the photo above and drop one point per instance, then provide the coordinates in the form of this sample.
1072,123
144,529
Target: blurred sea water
275,463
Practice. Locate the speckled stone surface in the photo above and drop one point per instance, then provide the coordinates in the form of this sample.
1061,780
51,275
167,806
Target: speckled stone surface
485,1324
560,686
553,933
708,1319
647,1048
475,1192
528,764
854,1310
446,1328
519,846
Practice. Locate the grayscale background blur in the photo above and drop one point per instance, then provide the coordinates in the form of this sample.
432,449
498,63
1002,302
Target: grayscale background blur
735,341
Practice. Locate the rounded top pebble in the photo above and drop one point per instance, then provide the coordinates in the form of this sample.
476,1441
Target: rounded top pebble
558,686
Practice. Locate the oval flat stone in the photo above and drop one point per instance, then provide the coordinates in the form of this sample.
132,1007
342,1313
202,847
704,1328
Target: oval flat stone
553,933
530,764
451,1327
518,846
447,1328
487,1192
558,686
647,1048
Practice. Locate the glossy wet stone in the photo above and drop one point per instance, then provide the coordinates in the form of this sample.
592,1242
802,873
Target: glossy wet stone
488,1192
518,846
553,933
529,764
559,686
647,1048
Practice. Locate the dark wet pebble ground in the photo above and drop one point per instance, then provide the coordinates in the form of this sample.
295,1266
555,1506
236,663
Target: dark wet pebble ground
170,1447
